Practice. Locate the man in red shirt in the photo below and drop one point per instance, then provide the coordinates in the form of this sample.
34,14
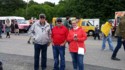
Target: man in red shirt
59,35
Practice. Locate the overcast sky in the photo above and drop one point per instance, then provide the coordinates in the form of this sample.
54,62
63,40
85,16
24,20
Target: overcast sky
42,1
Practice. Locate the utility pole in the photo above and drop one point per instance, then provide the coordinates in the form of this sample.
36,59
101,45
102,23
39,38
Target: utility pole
27,8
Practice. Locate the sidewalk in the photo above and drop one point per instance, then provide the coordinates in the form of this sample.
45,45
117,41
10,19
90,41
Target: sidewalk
19,62
16,53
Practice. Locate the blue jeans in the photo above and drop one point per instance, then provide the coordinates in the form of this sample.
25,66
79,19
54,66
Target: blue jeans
119,44
77,61
59,50
43,50
108,38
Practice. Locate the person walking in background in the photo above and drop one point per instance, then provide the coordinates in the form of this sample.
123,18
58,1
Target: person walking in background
41,34
79,21
31,23
1,27
67,22
7,28
76,37
96,33
106,31
120,33
59,35
51,25
16,27
12,26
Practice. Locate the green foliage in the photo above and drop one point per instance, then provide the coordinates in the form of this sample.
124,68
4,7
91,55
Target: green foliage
103,9
8,7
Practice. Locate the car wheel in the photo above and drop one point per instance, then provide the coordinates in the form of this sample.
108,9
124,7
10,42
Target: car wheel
91,33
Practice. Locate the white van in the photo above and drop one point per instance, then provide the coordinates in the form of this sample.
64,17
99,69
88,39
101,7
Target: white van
20,20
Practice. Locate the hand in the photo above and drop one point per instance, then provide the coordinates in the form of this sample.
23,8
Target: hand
49,44
62,44
52,44
75,38
123,39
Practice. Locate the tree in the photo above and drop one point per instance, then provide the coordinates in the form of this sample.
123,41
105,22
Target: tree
8,7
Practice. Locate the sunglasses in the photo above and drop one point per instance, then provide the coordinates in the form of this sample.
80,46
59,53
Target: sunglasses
42,17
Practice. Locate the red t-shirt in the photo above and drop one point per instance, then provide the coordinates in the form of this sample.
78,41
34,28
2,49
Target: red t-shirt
59,34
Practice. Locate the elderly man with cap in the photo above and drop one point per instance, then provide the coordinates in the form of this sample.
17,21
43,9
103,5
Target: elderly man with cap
106,31
41,33
59,35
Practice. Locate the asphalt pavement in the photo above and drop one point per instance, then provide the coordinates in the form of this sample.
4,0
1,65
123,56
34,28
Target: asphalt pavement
16,54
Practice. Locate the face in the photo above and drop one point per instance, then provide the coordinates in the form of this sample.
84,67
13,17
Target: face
7,21
58,23
42,20
110,23
74,24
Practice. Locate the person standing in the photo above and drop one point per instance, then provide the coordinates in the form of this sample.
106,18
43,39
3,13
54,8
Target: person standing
1,27
16,27
41,34
59,35
8,28
97,31
31,23
12,26
67,22
120,33
106,32
76,37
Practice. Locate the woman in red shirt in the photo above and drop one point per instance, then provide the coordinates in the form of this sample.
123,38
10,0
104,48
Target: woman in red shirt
76,37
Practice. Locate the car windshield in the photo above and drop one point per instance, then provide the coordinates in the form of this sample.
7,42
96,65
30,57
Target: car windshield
21,21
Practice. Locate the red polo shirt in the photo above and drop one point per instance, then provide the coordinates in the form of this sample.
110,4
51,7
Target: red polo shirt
59,34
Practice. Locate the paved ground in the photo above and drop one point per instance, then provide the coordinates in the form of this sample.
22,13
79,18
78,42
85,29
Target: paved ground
16,54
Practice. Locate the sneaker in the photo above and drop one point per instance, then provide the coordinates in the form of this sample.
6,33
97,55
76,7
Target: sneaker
114,58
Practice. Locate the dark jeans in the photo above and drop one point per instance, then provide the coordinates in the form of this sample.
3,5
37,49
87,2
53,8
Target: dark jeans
59,50
1,66
119,44
8,34
43,50
0,33
77,61
96,35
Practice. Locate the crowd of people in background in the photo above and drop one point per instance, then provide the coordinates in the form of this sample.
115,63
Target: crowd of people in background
9,27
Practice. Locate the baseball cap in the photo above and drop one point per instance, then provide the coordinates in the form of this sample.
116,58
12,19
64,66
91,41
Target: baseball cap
59,20
111,21
42,16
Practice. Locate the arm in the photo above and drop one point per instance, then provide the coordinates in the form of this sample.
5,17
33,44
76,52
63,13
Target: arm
66,34
70,37
84,36
52,37
31,31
